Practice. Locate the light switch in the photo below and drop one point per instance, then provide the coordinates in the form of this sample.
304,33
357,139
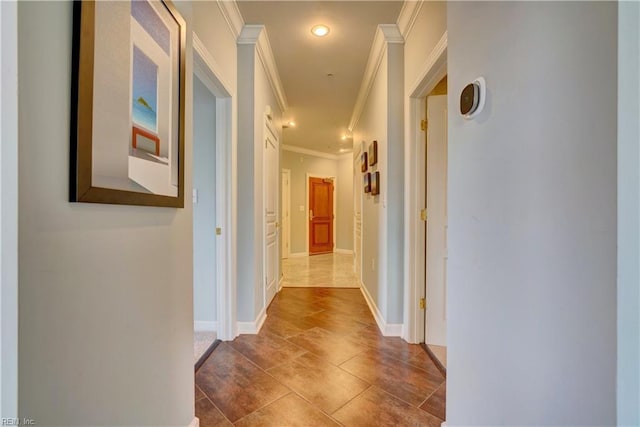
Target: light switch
195,196
301,208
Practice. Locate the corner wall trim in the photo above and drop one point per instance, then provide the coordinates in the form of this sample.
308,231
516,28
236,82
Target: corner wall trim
387,329
309,152
386,33
253,327
232,16
257,35
408,15
195,422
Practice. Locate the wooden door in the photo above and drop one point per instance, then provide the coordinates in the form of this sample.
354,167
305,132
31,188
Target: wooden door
271,187
320,215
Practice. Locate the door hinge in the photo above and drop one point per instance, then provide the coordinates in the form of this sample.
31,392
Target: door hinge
423,214
423,124
218,231
423,303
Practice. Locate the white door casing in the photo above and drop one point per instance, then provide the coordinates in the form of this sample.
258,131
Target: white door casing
271,168
285,213
436,227
357,214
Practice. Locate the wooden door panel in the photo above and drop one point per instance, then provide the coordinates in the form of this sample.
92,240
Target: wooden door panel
320,215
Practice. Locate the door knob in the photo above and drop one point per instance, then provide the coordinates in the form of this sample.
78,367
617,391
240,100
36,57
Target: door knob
310,215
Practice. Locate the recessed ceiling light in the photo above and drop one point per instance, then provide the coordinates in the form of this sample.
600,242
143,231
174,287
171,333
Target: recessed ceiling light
292,124
344,137
320,30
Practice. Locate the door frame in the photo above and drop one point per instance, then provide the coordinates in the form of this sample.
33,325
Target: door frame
270,128
335,207
210,73
433,70
286,229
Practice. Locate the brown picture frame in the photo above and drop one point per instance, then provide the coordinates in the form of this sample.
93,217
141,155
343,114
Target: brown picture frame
366,180
363,162
373,153
375,183
143,176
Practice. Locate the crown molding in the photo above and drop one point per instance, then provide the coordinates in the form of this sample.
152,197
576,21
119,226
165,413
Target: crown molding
385,34
309,152
257,35
408,15
232,15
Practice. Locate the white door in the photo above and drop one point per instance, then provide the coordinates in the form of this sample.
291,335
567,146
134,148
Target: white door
436,253
271,170
286,206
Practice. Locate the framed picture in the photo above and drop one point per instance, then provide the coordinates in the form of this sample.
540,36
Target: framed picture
367,182
375,183
373,153
127,103
363,162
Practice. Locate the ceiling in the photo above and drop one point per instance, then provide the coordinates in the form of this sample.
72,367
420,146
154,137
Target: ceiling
320,104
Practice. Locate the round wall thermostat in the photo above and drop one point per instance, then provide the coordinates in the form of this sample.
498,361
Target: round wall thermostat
472,98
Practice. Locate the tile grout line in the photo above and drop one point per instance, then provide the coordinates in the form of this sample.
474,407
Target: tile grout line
354,397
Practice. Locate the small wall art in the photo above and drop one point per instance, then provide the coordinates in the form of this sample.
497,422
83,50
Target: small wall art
366,179
373,153
375,183
363,162
128,103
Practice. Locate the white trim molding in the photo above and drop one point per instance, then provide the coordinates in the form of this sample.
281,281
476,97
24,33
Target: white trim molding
204,64
253,327
232,16
385,34
343,251
195,422
432,71
387,329
298,254
408,15
309,152
257,35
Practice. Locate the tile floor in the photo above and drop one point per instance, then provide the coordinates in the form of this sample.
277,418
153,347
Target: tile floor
327,270
319,360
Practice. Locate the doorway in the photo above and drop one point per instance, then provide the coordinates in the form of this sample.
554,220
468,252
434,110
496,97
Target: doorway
204,218
435,318
271,164
321,229
213,202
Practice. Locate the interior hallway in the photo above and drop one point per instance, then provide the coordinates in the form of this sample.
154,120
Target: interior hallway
328,270
319,359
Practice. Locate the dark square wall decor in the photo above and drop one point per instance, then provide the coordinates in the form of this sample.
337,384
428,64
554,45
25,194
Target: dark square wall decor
363,162
128,101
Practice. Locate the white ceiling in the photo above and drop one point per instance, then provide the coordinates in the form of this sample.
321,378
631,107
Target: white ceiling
321,106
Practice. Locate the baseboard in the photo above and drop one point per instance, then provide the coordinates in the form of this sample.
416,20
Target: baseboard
195,422
343,251
205,326
252,327
280,283
435,360
387,329
298,254
206,355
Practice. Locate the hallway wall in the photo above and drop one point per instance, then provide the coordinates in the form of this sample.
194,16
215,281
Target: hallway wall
105,303
532,215
302,164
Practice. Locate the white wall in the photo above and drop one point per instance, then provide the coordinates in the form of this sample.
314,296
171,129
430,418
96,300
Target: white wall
301,165
373,126
532,215
344,216
204,211
254,94
105,304
628,390
9,211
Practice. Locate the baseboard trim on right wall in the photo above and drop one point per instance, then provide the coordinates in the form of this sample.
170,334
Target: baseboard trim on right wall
387,329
